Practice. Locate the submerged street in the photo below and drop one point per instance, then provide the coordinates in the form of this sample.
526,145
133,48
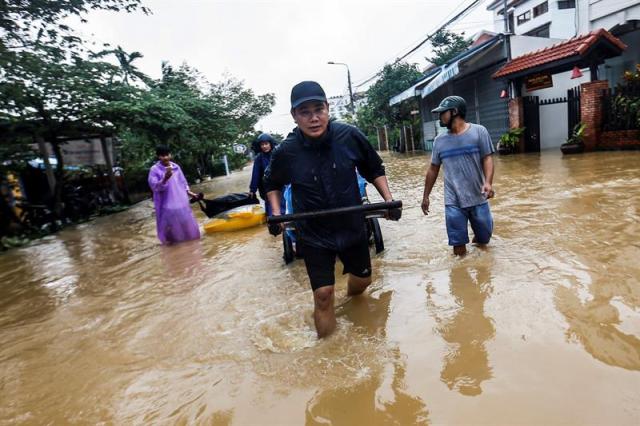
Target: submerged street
99,323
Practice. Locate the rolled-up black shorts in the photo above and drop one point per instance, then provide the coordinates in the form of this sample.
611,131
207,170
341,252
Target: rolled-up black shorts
320,263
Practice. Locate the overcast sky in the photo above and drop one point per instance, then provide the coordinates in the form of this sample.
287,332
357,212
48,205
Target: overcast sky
271,45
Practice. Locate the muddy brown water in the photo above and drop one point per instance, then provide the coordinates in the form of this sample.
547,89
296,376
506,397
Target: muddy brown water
100,324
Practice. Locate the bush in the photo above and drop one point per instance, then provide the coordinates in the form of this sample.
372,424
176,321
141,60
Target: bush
577,135
511,138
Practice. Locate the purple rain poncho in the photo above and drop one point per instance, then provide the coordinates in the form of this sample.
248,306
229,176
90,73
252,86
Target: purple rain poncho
174,219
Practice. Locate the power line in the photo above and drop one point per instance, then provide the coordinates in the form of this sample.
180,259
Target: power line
459,15
429,37
472,24
417,40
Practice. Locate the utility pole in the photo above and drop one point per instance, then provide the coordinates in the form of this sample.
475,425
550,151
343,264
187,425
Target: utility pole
351,104
353,108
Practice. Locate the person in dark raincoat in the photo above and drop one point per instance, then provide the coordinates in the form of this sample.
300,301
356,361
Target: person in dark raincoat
263,147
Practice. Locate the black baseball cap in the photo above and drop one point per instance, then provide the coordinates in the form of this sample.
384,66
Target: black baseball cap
306,91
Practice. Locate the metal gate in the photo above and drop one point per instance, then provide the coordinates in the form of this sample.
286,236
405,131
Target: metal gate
531,110
573,105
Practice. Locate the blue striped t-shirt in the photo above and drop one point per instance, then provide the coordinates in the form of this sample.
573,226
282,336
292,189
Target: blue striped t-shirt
462,158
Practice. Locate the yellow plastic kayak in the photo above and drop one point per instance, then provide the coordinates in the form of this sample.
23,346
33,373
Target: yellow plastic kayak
236,219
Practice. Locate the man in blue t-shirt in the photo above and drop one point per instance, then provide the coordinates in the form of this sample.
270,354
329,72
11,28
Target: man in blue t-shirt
466,151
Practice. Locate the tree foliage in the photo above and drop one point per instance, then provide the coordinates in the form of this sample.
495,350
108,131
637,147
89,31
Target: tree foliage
28,24
393,80
398,77
128,72
197,119
42,88
52,86
446,45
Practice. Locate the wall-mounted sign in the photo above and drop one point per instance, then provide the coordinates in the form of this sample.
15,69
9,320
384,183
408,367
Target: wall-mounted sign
239,149
538,81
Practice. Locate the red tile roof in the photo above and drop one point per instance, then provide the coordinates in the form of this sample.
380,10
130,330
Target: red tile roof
576,46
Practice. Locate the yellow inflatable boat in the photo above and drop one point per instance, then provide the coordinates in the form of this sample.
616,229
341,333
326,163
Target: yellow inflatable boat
236,219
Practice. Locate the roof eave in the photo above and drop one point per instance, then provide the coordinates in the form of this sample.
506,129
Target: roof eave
613,46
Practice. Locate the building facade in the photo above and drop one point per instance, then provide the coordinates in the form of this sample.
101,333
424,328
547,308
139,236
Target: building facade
340,106
564,19
534,27
548,19
470,75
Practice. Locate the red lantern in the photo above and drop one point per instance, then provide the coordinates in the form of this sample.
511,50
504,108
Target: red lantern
504,94
576,73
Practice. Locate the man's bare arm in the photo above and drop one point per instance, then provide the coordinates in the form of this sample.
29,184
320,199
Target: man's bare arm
429,181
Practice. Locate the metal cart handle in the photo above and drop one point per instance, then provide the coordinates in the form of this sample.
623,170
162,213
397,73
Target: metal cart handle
373,210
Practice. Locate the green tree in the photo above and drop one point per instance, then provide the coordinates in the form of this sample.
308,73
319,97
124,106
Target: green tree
197,119
47,97
128,71
45,85
28,24
446,45
50,86
393,80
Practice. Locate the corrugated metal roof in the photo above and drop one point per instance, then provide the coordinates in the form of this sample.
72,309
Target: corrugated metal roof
438,76
413,90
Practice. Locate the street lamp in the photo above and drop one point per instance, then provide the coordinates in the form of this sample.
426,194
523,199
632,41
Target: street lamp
353,110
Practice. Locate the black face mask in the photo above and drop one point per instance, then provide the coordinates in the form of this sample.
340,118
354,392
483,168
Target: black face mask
450,123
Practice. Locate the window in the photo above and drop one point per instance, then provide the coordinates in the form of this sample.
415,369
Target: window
540,9
542,31
524,17
567,4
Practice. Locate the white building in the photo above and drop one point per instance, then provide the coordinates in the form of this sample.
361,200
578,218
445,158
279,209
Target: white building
556,20
622,19
534,26
339,106
536,18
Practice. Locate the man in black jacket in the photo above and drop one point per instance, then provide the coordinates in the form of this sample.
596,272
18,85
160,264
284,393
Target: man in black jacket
319,159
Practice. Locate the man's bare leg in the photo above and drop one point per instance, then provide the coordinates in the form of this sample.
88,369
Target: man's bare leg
357,285
460,250
324,315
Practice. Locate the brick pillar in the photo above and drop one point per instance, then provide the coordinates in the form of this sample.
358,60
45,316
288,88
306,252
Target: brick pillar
591,111
516,118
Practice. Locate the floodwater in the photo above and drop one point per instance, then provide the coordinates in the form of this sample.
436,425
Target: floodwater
100,324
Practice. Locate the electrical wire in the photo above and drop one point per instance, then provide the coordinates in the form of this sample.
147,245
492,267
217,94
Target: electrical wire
457,16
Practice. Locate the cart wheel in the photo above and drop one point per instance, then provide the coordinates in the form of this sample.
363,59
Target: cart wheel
288,249
377,234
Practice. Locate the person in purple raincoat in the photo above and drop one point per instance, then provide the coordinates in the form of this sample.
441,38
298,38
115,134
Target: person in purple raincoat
174,218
